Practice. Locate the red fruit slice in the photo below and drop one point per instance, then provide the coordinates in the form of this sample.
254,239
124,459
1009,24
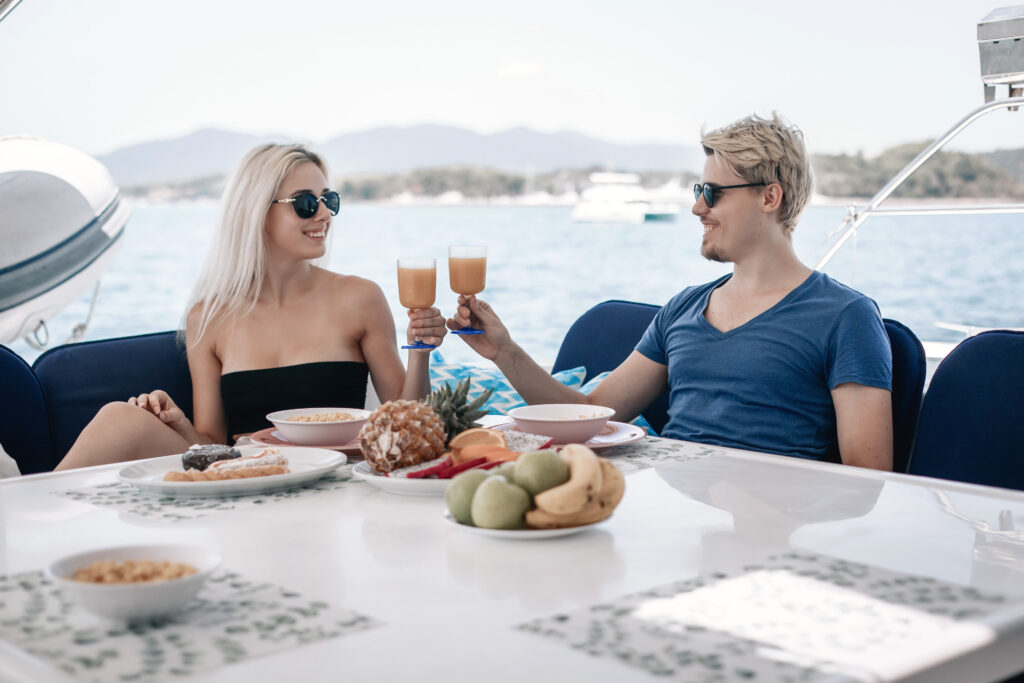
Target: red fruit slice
423,469
461,467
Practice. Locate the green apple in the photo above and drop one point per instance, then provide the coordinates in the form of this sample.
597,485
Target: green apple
499,504
506,469
459,494
539,471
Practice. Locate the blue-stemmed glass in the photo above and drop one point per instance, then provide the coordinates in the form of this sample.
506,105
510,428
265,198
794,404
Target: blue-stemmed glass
467,275
417,288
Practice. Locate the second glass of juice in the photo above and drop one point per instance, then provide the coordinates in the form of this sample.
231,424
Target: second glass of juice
417,288
467,274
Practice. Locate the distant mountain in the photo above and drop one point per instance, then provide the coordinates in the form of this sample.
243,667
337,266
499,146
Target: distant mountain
393,149
207,152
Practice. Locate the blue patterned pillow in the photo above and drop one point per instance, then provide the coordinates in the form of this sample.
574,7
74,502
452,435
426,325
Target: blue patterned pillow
639,421
504,398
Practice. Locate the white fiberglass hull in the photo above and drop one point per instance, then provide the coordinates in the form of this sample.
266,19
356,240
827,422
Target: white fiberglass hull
61,221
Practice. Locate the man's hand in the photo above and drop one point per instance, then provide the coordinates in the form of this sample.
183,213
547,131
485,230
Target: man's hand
479,314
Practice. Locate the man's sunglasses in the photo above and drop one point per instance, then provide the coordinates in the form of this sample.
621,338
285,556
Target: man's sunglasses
708,191
307,204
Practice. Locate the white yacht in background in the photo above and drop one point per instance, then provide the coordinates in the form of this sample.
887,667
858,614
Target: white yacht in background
620,198
61,222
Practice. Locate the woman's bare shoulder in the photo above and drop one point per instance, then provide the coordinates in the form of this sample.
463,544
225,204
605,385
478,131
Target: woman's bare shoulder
351,287
209,334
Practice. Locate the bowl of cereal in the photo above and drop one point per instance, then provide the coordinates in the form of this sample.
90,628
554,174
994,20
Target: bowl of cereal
563,422
319,426
135,582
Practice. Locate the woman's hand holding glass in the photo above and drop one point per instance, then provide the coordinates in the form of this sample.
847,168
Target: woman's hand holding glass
426,328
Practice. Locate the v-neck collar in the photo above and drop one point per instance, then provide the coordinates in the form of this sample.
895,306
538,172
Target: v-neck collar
796,291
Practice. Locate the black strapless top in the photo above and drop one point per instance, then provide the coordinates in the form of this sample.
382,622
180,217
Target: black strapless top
248,395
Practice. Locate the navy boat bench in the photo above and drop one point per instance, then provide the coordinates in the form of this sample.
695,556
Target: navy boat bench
43,408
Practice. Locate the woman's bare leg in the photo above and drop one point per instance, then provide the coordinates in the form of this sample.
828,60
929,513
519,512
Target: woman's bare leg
122,432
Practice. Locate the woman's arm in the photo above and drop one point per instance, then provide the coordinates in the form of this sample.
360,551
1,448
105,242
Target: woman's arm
379,349
209,425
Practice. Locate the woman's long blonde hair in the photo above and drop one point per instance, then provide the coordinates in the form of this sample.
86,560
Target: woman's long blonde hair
232,274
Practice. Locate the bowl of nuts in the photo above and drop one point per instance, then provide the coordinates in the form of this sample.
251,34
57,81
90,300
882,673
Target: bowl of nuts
135,582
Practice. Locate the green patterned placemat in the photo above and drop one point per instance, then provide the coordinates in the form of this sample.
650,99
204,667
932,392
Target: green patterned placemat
653,451
792,617
135,501
231,620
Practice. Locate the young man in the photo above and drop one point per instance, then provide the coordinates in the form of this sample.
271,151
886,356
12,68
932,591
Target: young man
775,357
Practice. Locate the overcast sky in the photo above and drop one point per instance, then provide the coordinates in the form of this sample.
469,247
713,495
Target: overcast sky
856,76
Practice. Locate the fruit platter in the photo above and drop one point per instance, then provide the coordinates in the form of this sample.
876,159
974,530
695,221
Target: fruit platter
495,479
542,490
417,447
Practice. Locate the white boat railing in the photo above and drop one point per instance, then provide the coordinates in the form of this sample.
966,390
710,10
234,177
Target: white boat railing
857,215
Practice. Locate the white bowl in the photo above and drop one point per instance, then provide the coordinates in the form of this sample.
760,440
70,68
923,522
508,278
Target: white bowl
563,422
334,433
136,601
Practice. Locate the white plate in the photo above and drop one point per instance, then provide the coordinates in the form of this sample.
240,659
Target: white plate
613,434
400,485
272,437
519,534
306,465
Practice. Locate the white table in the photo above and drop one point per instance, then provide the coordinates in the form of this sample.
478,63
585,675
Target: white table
450,602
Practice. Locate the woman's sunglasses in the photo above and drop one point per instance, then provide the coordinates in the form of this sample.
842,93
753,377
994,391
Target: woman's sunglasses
708,191
307,204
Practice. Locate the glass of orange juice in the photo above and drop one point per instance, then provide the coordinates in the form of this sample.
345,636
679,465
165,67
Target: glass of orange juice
467,274
417,287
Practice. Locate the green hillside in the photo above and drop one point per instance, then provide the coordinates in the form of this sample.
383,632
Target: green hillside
945,175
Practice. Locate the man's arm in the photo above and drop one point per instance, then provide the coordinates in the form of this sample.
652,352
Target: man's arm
630,388
864,425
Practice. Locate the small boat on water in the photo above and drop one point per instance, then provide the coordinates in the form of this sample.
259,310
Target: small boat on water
620,198
61,222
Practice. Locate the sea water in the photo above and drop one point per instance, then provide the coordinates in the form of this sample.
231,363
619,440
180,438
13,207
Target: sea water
543,270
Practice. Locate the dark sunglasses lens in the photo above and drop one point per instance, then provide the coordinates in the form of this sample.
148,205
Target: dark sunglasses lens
705,191
709,195
305,205
333,202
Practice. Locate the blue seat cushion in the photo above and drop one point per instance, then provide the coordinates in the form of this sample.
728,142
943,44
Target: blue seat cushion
24,432
971,428
909,368
79,379
603,337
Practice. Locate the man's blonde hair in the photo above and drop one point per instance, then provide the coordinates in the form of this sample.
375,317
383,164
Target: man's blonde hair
232,275
761,150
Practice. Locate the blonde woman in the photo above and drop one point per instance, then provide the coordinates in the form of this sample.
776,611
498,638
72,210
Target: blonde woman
267,328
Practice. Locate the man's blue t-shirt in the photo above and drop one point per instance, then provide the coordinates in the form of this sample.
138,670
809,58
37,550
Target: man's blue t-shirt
765,385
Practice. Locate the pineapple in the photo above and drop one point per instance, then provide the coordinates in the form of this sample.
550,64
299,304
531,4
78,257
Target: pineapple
401,433
455,412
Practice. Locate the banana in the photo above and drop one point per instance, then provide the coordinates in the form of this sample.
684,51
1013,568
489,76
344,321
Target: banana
600,508
585,481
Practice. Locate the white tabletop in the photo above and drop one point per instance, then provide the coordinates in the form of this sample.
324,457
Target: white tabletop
721,546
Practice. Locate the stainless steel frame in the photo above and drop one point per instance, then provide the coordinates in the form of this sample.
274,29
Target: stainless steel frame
857,215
